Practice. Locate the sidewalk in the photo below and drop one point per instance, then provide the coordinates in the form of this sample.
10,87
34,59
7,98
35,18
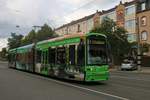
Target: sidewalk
3,61
144,70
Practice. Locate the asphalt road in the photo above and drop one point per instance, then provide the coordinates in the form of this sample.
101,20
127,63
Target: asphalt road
17,85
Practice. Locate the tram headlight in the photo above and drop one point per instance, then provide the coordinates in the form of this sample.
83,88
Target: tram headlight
91,69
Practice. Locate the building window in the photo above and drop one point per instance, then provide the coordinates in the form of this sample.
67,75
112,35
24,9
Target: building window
66,30
131,37
130,24
89,24
112,16
130,10
143,21
144,35
79,28
143,6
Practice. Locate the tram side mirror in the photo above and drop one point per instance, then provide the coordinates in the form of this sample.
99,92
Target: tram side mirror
70,62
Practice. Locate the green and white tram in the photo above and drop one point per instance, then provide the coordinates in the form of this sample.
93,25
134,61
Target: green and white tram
82,57
25,58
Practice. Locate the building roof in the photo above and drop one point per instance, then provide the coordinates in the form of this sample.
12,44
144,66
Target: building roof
130,3
144,11
76,21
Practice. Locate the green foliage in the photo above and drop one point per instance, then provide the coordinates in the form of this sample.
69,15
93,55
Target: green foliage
3,54
44,33
145,47
30,38
14,41
117,38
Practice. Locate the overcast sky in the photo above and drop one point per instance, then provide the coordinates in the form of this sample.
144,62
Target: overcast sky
27,13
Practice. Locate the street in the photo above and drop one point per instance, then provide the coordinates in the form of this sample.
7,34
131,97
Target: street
18,85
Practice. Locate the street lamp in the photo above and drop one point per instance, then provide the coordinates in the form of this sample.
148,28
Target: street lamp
17,26
36,27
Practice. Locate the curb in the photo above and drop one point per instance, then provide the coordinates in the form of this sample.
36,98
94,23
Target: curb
138,72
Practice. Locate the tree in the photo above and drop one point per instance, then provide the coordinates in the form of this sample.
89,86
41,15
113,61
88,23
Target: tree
117,38
30,38
145,47
45,33
3,53
14,41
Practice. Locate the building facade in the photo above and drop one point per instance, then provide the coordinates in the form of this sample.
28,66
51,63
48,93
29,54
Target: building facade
123,14
143,28
134,16
130,21
83,25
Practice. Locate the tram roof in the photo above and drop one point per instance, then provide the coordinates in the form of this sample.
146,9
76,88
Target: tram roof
25,48
12,50
66,39
69,37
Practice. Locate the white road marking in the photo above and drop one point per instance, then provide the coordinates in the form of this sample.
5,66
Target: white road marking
87,89
129,78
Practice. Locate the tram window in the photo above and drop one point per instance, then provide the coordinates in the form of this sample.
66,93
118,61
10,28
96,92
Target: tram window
21,58
61,55
17,57
24,57
42,57
81,54
52,56
30,57
46,57
72,54
38,57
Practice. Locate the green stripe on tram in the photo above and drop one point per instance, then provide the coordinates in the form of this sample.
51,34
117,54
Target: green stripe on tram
57,43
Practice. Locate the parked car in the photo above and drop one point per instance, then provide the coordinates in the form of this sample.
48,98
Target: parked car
129,64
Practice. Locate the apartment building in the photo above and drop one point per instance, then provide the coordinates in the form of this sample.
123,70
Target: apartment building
83,25
123,14
143,28
130,21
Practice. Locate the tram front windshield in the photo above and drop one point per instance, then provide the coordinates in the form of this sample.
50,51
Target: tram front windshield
96,51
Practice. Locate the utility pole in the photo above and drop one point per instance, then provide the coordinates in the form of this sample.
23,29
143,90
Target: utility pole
139,47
